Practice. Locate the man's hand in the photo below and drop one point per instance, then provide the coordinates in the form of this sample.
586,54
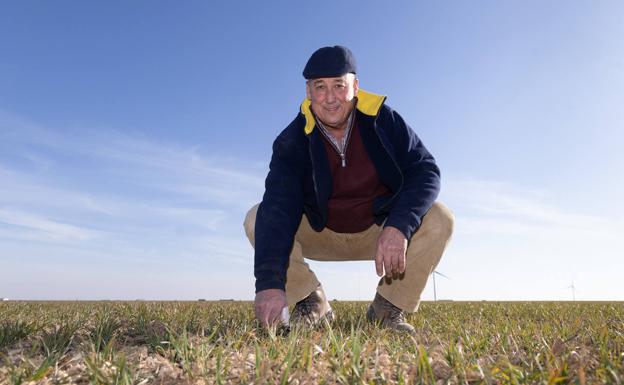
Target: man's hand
391,248
269,304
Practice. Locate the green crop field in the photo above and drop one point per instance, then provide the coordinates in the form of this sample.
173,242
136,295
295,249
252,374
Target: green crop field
219,343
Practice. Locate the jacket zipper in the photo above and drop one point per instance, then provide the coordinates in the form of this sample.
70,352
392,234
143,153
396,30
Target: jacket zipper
313,173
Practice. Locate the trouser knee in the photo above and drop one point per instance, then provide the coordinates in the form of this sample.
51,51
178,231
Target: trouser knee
440,221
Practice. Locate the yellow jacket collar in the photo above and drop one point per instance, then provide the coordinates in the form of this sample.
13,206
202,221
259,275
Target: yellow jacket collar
368,103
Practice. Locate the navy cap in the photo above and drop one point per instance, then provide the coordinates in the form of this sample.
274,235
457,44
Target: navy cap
329,62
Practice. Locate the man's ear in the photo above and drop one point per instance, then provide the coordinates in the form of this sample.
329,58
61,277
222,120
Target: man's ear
308,90
356,86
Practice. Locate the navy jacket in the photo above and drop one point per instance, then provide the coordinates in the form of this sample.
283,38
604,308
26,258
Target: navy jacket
299,182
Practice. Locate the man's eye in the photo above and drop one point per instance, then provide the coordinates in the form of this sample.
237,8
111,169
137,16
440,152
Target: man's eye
320,86
340,85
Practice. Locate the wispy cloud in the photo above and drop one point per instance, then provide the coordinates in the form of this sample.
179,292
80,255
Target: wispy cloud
124,196
54,229
133,160
505,208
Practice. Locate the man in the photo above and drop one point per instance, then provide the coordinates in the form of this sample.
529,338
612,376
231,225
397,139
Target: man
367,187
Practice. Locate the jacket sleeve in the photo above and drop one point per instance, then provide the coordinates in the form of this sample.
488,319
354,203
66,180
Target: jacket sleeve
279,213
421,177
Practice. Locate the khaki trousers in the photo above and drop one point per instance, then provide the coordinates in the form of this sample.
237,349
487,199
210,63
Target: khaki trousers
424,251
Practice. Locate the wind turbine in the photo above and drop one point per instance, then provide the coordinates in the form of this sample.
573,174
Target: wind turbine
573,291
435,295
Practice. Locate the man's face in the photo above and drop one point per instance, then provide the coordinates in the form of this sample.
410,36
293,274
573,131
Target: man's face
332,98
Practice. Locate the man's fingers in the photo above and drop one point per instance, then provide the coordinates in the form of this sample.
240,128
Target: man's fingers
262,316
275,316
379,264
267,317
398,263
394,262
388,265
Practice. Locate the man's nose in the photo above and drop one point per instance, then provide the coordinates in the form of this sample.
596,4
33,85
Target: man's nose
330,97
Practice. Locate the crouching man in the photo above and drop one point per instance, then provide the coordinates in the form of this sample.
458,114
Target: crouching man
348,180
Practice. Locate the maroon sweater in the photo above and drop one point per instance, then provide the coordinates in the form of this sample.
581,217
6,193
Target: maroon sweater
354,187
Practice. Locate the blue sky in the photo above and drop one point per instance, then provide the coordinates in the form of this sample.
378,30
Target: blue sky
135,136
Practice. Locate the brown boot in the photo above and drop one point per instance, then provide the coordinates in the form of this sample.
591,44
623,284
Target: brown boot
313,309
390,316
